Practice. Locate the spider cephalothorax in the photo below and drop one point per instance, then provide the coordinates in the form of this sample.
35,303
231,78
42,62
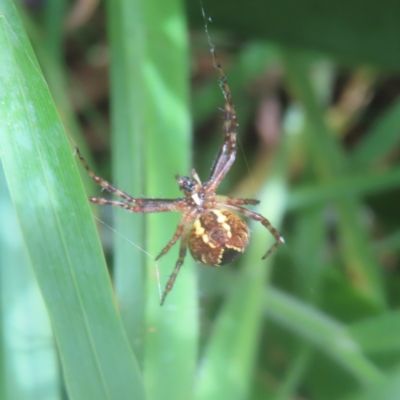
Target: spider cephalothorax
209,226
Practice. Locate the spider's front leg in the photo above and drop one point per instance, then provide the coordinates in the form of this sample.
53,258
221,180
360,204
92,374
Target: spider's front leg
136,205
143,205
227,152
102,182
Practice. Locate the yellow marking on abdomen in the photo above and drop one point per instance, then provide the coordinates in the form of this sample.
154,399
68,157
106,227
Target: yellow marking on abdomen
220,217
206,240
227,227
199,230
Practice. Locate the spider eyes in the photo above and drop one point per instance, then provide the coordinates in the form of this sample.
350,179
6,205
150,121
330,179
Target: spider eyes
186,184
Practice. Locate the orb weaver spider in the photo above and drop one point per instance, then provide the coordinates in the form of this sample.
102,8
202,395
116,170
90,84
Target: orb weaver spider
209,226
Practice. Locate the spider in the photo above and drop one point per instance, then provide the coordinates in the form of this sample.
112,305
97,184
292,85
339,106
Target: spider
208,225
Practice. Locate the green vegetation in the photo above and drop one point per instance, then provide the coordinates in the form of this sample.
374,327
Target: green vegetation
317,96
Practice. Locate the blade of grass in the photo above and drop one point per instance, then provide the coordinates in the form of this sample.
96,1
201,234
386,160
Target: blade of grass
378,334
293,377
58,229
380,139
330,163
128,136
309,239
321,332
151,144
172,330
29,355
54,14
50,60
388,389
354,184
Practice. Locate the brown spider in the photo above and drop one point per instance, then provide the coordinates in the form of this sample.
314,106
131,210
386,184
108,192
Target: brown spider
214,234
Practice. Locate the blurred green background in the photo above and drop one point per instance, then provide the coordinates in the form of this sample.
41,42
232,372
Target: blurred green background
132,82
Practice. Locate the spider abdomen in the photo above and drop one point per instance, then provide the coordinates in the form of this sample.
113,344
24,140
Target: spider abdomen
218,237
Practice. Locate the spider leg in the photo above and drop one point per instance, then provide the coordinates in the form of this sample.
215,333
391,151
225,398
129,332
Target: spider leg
235,201
175,238
102,182
227,152
172,278
258,217
143,205
195,176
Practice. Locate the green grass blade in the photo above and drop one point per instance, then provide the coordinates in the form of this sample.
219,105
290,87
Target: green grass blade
48,53
321,332
330,163
380,139
171,342
127,99
28,351
58,229
294,375
355,184
389,389
378,334
151,143
309,238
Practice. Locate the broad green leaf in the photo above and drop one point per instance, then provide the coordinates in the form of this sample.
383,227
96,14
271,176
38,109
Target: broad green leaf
29,359
58,228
